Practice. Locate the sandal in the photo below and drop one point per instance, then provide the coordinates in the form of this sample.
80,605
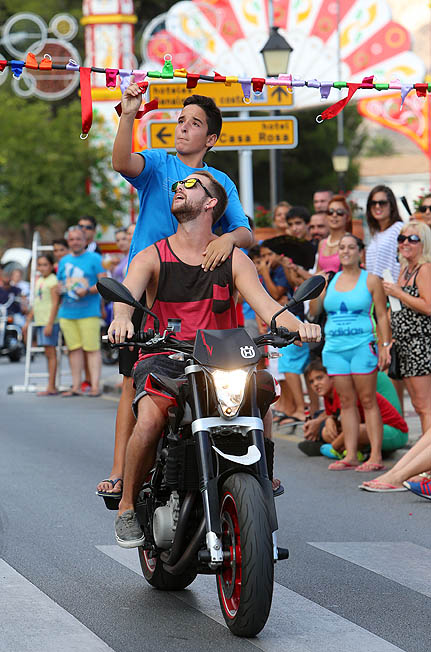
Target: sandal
342,465
369,467
277,487
112,494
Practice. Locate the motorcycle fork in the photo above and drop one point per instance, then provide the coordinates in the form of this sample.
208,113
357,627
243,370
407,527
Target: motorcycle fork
257,438
208,481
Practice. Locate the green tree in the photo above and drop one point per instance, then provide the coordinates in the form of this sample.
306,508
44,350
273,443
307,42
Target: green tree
45,169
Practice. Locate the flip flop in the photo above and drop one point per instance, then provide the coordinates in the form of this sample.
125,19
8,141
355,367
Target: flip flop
342,465
69,393
111,494
46,393
294,421
369,467
277,488
90,395
380,487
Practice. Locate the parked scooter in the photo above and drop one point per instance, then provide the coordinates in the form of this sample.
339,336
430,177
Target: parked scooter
11,340
208,506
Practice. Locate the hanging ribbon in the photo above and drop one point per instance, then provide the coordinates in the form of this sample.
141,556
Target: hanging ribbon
16,67
405,90
111,77
335,109
246,91
86,102
192,80
31,62
3,64
149,106
168,69
46,63
325,89
72,65
258,84
421,89
139,75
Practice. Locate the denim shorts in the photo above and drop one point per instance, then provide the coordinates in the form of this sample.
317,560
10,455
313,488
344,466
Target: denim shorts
44,340
363,359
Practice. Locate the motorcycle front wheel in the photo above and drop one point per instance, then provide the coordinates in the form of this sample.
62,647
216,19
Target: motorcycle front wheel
245,581
157,576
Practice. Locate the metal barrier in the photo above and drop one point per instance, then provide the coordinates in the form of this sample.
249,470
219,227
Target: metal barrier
29,385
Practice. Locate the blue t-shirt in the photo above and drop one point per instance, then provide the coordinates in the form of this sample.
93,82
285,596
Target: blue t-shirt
79,272
155,220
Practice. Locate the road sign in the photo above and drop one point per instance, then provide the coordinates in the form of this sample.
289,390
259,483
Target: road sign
237,133
228,98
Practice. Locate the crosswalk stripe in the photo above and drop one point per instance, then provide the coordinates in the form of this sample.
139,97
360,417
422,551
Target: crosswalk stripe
31,621
296,624
404,562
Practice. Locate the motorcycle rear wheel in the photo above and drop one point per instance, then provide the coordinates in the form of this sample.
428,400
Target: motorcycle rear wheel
159,578
245,583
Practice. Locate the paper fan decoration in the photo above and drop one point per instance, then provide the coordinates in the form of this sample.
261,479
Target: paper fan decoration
227,36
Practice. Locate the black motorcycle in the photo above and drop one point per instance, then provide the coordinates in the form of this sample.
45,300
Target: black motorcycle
208,506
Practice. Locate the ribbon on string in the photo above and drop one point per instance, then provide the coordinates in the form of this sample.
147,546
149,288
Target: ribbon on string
31,62
3,64
125,79
139,75
396,84
86,102
218,78
405,90
325,89
272,81
335,109
285,80
46,63
72,65
257,84
246,91
168,69
16,67
313,83
149,106
298,82
192,80
421,89
111,77
180,72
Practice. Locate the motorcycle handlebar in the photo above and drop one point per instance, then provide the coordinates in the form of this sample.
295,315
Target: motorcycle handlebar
141,337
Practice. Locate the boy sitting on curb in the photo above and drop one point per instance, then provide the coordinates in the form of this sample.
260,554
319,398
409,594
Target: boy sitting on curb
323,433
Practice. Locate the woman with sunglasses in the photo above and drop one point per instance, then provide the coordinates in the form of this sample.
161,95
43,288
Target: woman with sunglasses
424,210
385,223
411,326
339,219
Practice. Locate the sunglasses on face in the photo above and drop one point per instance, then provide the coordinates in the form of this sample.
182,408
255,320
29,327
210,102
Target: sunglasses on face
413,239
338,211
424,209
379,202
88,227
190,183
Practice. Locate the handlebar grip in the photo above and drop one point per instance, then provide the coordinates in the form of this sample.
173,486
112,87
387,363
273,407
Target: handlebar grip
287,334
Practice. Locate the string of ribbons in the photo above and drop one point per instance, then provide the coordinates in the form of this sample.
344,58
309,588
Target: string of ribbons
252,87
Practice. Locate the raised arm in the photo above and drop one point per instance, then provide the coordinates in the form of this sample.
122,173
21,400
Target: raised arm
248,284
123,160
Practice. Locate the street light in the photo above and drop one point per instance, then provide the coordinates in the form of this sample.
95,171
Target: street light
276,53
340,162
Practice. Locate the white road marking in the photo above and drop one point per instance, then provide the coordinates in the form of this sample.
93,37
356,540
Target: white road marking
296,624
32,622
404,562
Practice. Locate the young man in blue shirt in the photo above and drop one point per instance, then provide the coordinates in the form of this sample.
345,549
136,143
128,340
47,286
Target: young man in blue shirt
152,173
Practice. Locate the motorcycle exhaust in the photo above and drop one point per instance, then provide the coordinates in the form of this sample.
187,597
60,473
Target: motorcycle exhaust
189,553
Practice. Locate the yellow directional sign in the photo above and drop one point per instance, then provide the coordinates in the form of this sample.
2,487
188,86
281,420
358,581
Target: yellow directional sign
237,133
171,95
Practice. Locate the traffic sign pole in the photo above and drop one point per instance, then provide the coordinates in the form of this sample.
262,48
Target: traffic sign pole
245,164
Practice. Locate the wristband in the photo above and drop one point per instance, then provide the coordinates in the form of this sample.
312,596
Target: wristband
385,344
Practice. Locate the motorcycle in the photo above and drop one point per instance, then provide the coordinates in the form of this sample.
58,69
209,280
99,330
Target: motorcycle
208,504
11,341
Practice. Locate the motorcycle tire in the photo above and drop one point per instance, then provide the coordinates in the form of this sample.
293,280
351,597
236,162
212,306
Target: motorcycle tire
109,356
15,355
245,584
159,578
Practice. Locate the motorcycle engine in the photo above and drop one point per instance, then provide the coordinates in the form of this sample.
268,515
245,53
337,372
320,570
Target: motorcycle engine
165,521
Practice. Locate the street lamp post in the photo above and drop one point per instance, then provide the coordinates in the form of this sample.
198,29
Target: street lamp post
276,53
340,162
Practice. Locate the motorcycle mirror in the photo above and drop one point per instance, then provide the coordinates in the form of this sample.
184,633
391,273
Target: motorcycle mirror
112,290
309,289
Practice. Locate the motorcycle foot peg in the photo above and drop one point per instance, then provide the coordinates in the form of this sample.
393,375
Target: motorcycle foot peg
283,553
205,556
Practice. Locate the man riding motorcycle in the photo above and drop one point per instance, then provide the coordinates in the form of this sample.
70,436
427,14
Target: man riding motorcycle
181,293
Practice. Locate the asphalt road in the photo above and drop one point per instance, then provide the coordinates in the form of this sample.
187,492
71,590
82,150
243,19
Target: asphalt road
358,579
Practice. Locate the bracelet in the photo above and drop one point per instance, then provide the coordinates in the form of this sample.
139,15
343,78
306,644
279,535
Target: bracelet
385,344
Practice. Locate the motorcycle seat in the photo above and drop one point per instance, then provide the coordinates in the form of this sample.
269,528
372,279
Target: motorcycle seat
173,385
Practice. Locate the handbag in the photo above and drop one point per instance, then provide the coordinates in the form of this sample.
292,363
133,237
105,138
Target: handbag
394,371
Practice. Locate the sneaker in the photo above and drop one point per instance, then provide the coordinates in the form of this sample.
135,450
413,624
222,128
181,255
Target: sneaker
422,488
328,451
128,532
310,448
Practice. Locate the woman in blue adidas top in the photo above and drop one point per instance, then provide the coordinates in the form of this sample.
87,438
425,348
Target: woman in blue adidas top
350,353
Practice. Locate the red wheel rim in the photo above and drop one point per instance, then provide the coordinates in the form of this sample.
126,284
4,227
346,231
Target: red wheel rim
229,578
150,562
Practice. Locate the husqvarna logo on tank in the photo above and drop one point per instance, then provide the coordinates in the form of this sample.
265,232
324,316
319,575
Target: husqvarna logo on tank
247,351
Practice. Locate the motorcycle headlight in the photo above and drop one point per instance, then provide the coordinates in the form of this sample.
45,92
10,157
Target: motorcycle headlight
229,387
